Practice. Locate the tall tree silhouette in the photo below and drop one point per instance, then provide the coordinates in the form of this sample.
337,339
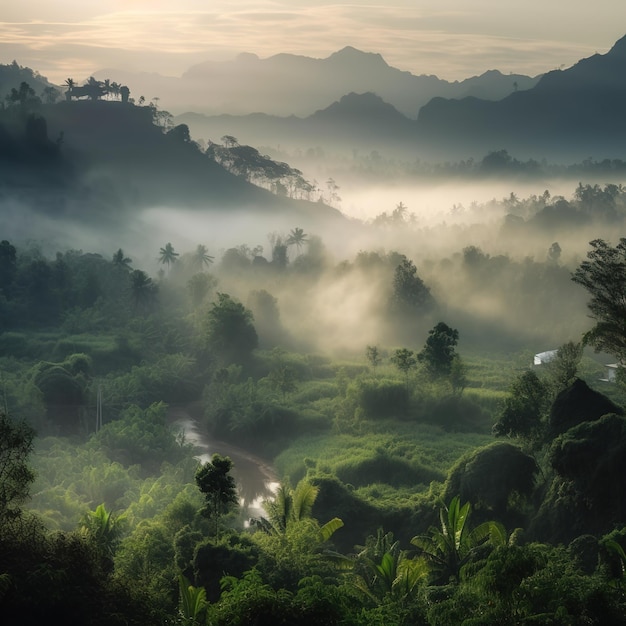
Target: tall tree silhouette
167,255
201,257
121,260
143,291
70,83
297,238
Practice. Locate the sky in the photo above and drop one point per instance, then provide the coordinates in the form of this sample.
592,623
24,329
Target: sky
453,39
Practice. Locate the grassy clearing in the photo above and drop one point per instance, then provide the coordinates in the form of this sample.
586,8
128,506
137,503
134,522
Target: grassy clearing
424,452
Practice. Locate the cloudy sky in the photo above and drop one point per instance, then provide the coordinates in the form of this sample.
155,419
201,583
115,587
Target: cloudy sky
453,39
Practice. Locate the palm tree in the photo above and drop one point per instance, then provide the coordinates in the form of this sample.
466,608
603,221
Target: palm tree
201,257
121,260
452,545
297,237
290,506
94,88
167,255
70,83
143,291
115,89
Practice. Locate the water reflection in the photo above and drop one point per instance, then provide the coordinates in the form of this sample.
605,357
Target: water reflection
256,478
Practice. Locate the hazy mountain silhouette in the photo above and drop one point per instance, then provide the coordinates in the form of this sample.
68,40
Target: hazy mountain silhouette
569,115
12,75
355,122
286,84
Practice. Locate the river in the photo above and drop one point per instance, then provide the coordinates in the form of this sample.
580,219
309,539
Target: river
256,478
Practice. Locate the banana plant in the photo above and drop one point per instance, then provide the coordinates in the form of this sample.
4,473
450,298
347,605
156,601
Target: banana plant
291,505
382,570
192,603
451,546
103,528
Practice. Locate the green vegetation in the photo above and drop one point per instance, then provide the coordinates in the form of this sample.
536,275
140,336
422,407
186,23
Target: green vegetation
424,476
387,448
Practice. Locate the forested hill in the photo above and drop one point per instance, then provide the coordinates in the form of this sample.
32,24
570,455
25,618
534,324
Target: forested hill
570,114
91,158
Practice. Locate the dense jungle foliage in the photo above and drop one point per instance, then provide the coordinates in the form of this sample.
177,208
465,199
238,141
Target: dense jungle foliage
424,479
428,469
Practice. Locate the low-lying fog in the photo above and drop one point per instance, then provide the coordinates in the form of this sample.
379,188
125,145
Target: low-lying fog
335,297
446,201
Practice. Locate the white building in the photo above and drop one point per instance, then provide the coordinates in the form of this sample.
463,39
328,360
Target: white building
544,357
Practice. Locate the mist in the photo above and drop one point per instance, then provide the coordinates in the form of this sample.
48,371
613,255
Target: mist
330,300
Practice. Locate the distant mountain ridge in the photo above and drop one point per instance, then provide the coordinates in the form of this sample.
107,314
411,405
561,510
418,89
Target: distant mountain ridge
287,84
574,113
356,121
568,116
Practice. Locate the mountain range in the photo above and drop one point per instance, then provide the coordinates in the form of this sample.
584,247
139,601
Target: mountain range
111,157
287,84
567,115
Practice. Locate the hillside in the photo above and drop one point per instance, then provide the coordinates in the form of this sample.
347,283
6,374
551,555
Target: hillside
100,162
355,122
570,114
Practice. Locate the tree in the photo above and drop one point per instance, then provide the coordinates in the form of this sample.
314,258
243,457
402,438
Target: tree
333,189
121,261
94,89
453,544
115,89
104,530
458,375
167,255
554,253
410,294
201,257
381,570
297,237
373,355
290,506
524,409
563,368
143,291
438,353
199,286
404,359
230,331
16,443
50,95
603,275
283,379
24,96
279,253
218,486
